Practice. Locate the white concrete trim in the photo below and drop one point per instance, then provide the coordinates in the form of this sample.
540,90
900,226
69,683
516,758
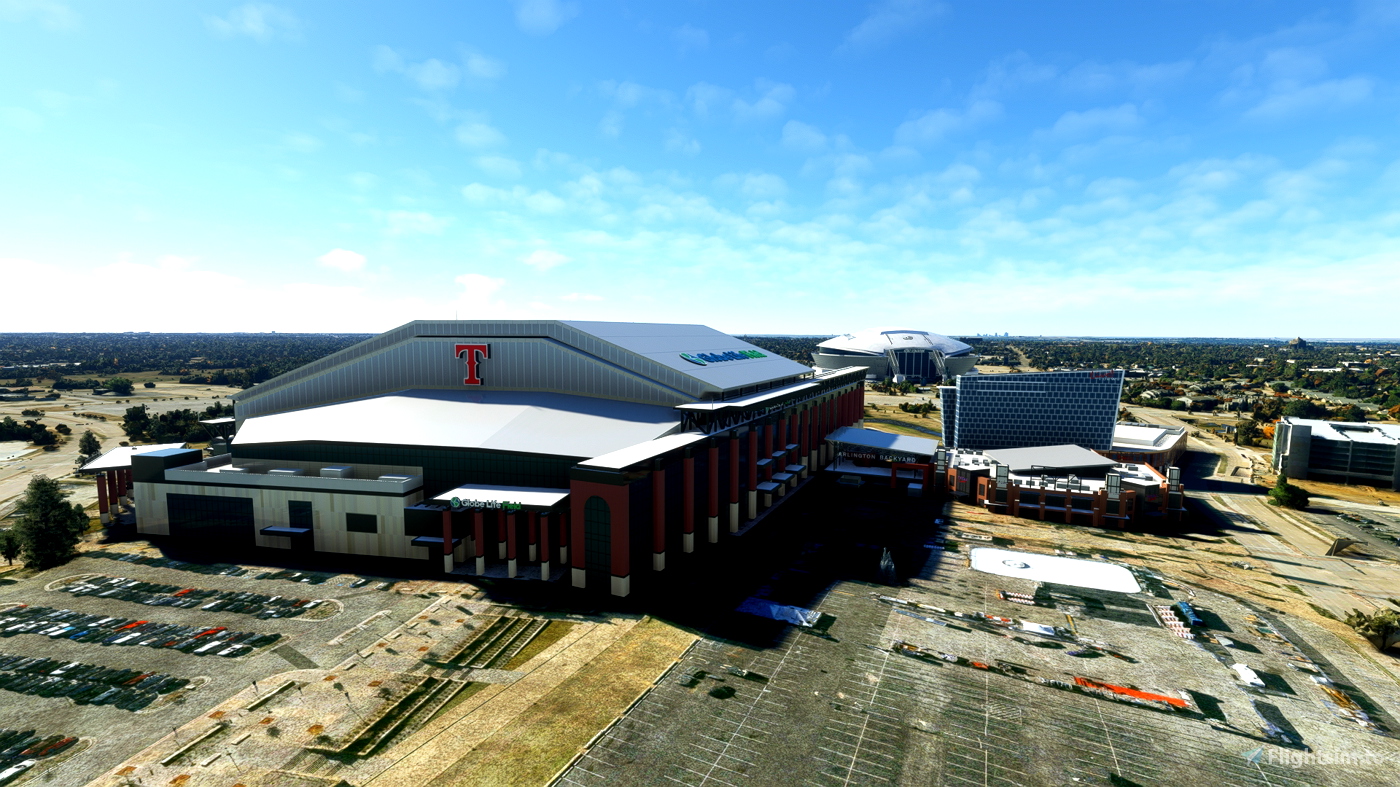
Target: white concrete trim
534,553
544,571
500,550
658,561
687,542
733,517
480,565
579,577
447,564
713,524
753,504
512,568
622,586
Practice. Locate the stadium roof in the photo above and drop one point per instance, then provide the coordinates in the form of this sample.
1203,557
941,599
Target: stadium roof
875,341
1050,457
518,421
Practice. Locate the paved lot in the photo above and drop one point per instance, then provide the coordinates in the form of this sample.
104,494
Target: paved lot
112,734
844,709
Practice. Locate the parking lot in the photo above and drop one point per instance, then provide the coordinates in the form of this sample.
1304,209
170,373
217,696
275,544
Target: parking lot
997,706
122,645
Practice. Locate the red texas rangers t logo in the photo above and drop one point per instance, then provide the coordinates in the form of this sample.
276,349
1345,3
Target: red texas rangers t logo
475,354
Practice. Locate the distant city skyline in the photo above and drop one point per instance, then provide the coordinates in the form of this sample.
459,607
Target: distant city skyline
1103,169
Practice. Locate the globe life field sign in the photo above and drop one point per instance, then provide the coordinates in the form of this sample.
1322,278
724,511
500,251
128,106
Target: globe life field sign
705,359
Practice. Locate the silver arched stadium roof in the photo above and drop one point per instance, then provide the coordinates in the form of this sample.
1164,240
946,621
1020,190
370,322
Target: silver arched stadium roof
875,341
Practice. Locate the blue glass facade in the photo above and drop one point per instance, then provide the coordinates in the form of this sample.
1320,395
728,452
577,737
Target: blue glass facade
987,412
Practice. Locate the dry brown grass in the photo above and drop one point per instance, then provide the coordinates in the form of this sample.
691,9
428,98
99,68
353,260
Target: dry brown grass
540,741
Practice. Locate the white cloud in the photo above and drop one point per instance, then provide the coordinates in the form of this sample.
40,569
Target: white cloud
50,14
1102,120
479,135
430,75
364,181
690,39
343,260
544,259
1322,97
483,67
499,166
803,138
405,222
542,17
542,201
611,124
754,185
259,21
933,126
301,143
628,94
772,101
887,20
580,296
678,141
704,98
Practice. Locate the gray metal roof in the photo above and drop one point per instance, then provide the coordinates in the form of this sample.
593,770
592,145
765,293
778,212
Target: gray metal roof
884,441
1050,457
520,421
635,362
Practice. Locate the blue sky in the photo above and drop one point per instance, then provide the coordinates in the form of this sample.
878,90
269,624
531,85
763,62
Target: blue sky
1172,169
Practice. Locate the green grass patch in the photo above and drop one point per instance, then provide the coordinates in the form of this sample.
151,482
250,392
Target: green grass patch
1295,589
1322,612
551,634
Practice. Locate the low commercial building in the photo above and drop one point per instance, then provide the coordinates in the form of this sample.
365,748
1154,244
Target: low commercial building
1344,452
986,412
1148,444
1065,483
508,447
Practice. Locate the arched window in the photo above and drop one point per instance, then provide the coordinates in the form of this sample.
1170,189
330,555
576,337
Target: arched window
597,535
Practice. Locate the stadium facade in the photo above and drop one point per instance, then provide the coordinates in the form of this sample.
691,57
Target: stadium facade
492,445
897,354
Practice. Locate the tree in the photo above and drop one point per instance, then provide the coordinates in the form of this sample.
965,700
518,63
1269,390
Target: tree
1247,432
1382,629
49,528
136,422
1350,412
1287,495
148,384
121,386
9,546
89,448
1280,387
1302,408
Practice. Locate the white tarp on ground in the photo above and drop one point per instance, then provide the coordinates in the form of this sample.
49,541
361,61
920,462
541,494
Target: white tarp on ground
780,612
1059,570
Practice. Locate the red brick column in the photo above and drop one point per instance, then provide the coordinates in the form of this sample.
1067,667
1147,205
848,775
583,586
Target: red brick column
112,493
545,521
564,536
479,533
658,520
511,562
447,541
102,506
688,502
712,499
620,548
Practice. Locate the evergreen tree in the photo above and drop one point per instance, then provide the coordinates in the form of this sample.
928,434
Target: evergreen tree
9,546
89,448
49,528
1287,495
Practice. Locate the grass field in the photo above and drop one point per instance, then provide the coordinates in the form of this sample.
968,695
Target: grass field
541,740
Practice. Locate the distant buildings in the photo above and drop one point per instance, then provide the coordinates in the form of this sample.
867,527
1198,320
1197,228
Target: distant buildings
996,411
1338,451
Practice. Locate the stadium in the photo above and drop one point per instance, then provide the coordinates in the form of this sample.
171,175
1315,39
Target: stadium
499,447
897,354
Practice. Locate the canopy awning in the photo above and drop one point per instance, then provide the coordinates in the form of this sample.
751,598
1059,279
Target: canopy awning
120,458
883,442
506,497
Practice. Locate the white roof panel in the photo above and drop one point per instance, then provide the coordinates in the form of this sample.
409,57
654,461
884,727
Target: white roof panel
539,497
525,422
664,343
120,458
875,341
632,454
